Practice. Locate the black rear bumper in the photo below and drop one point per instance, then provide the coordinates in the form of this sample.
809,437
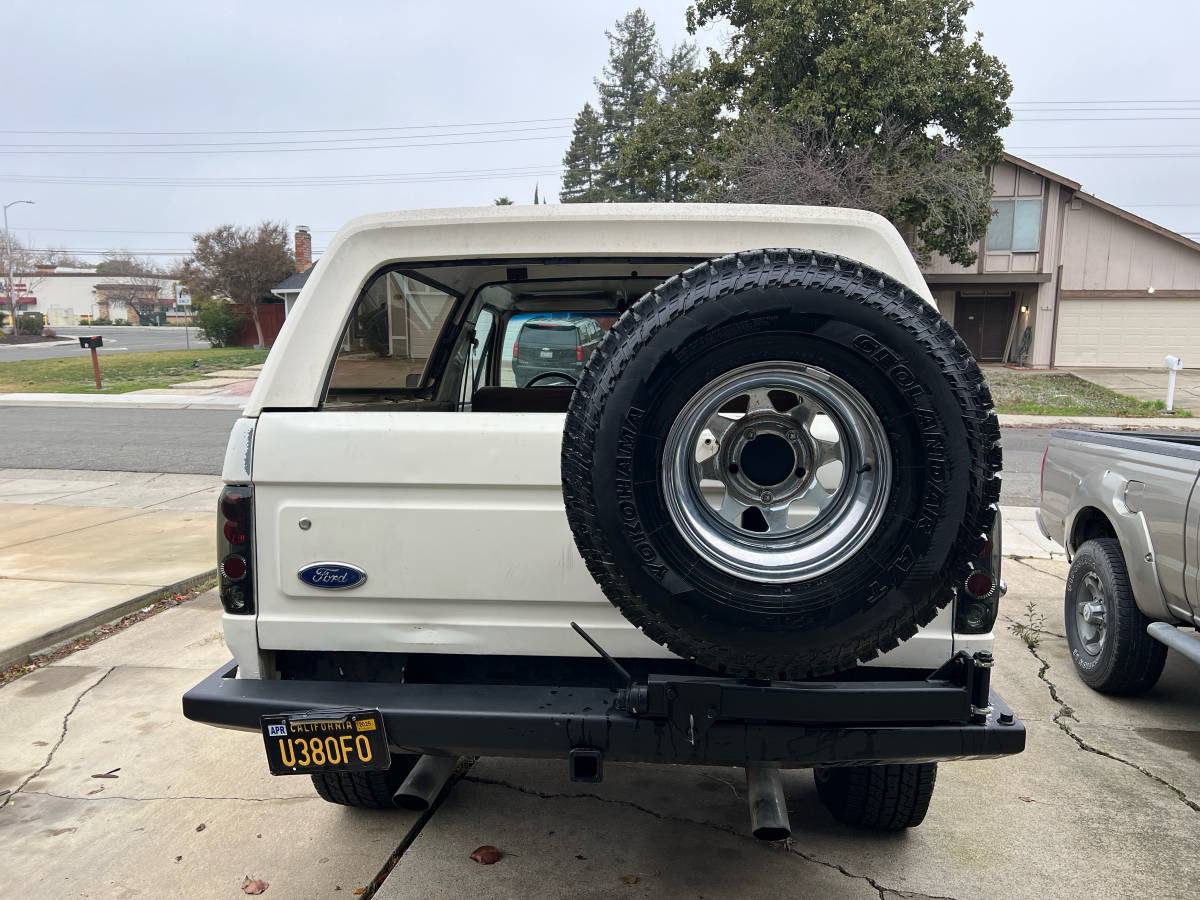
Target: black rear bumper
680,720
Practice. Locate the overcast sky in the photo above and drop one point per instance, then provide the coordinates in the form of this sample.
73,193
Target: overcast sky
500,80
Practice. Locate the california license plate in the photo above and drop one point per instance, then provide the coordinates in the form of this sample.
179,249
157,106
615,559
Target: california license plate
326,740
547,354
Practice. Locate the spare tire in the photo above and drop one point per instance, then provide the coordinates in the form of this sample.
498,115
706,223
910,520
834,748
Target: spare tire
780,463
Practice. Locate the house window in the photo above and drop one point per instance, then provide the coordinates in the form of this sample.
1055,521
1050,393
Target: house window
1016,225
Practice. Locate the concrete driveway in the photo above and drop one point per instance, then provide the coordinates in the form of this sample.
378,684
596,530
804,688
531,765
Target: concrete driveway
1103,801
1148,384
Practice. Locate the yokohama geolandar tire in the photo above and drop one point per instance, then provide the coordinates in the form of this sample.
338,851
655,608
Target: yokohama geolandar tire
780,463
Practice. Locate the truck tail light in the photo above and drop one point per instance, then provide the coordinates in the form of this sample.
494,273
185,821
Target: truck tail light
516,349
978,601
578,353
235,548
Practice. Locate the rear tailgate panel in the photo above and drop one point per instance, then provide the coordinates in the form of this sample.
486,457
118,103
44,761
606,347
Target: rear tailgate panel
457,520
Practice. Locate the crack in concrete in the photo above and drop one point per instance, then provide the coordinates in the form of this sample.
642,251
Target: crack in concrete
1065,712
1020,560
62,736
883,891
162,799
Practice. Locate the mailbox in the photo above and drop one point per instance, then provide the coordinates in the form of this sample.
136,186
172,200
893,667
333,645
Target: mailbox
91,342
1173,363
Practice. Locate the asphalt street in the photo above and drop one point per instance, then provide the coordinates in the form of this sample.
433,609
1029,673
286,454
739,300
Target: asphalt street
117,339
192,441
185,441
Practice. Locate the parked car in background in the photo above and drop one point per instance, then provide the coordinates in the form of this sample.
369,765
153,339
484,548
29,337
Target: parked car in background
548,347
1125,508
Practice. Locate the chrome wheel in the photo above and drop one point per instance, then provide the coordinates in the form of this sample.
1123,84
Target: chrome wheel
777,472
1090,614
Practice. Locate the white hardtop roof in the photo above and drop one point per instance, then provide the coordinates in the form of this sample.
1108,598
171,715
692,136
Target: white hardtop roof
295,371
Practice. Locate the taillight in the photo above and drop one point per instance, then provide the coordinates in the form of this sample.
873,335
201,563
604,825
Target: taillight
578,353
516,353
978,601
235,521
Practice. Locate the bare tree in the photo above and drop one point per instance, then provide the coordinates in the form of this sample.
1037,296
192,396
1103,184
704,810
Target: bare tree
23,264
905,177
241,265
142,294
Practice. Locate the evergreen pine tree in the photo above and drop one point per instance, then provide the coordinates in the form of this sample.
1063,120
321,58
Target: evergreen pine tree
583,159
626,86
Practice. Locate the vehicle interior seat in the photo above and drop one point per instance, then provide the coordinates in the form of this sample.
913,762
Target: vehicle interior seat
549,399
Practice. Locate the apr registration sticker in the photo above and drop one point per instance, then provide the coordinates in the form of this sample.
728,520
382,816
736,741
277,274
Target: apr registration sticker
340,740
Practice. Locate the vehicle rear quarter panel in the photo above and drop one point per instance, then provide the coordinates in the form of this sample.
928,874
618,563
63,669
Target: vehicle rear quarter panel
1082,474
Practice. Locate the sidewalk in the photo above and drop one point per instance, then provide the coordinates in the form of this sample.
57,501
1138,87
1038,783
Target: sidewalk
225,389
84,548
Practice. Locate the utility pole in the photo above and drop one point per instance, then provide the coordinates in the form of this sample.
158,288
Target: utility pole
8,241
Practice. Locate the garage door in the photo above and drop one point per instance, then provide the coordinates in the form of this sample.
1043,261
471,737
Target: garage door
1127,333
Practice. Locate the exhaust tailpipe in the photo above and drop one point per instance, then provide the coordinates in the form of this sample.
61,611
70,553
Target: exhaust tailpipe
768,807
425,782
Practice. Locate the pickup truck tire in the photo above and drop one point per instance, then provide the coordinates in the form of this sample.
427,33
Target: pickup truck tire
1106,632
882,798
774,365
365,790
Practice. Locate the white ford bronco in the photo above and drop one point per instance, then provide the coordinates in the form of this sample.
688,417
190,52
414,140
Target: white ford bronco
679,484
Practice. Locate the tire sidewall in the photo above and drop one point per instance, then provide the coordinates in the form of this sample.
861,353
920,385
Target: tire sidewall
1089,559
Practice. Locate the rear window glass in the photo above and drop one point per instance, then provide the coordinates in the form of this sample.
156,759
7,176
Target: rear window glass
549,335
391,333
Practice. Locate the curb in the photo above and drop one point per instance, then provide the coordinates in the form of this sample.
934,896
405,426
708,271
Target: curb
10,656
1127,423
82,401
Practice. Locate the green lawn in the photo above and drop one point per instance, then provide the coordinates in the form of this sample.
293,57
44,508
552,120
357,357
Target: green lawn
1064,395
123,372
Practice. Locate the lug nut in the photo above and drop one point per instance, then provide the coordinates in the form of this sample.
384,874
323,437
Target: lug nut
791,435
767,496
750,435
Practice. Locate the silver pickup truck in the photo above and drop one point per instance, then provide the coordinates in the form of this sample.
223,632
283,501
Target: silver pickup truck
1126,508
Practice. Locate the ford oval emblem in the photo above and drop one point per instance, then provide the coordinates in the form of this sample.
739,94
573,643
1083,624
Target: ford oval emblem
332,576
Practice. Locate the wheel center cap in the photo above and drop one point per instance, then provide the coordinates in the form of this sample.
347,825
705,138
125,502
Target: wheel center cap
768,460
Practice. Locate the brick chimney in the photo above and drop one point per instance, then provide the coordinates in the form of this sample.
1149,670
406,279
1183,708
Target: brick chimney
303,249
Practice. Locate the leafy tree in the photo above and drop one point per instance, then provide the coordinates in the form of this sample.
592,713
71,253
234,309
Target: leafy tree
502,201
895,82
241,264
584,159
218,321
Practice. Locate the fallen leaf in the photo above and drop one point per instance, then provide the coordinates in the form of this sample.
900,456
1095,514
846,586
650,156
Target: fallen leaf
487,855
179,859
201,827
111,773
254,885
358,892
630,879
1027,799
